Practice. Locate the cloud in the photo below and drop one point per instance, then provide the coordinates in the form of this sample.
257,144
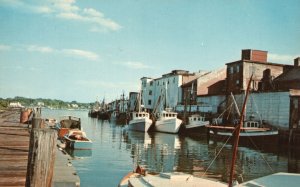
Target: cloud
281,58
67,10
135,65
5,47
81,53
49,50
41,49
42,9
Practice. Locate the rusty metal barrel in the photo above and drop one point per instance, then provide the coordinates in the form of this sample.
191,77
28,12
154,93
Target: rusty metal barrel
24,116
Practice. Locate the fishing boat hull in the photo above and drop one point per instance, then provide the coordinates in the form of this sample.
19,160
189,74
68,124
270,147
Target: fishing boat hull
250,137
171,125
104,116
93,114
195,127
122,118
76,139
141,125
78,144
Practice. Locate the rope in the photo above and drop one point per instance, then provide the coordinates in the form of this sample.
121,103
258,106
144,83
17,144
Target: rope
271,169
217,154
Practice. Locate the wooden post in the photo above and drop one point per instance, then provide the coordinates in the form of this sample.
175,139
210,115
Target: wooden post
36,122
41,157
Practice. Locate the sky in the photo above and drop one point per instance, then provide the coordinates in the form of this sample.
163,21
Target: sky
87,50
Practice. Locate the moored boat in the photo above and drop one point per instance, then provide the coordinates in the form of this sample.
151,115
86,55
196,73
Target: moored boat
104,115
77,139
140,177
195,124
252,131
167,121
275,180
66,124
140,121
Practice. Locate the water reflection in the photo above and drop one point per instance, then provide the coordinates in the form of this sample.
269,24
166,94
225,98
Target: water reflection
79,153
117,151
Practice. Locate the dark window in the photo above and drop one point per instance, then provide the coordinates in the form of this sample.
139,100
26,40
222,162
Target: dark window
149,102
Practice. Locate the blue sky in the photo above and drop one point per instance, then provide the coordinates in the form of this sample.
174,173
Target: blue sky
87,49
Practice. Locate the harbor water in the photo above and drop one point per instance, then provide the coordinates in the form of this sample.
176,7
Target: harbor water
116,151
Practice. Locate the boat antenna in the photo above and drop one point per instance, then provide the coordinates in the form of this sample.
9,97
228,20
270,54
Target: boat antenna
237,134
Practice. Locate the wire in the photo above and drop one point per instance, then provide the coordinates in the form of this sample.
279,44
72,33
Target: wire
218,153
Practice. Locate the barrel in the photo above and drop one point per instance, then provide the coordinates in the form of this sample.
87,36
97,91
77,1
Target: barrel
24,116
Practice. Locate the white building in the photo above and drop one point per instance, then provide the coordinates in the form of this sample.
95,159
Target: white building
15,105
164,91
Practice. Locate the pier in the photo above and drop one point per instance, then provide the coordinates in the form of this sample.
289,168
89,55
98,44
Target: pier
15,153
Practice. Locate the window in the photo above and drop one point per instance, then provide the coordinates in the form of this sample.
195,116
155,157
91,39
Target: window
151,83
231,70
174,80
149,102
150,92
237,68
237,82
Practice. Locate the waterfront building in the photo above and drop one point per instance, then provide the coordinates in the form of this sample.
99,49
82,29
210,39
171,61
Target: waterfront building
275,89
206,84
133,101
252,62
167,86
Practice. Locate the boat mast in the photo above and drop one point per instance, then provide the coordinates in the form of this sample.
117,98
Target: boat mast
237,134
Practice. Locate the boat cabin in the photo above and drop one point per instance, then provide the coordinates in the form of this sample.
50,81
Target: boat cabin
253,124
195,118
165,114
140,115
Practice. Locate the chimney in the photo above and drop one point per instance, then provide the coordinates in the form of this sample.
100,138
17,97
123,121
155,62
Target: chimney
297,62
254,55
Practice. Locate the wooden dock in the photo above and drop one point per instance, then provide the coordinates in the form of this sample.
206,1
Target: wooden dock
14,146
14,150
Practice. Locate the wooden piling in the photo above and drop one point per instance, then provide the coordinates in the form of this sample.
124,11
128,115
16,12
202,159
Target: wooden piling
41,157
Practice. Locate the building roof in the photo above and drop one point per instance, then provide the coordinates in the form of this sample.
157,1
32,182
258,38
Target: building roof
292,74
257,62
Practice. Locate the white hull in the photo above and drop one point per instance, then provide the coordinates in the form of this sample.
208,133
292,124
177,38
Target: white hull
142,124
248,134
196,124
170,125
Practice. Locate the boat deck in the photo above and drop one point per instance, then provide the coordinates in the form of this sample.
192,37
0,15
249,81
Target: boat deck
174,180
275,180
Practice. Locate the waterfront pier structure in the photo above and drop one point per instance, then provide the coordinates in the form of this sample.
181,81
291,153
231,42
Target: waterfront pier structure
17,162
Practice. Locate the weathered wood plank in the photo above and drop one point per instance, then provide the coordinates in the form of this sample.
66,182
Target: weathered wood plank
12,181
14,146
41,157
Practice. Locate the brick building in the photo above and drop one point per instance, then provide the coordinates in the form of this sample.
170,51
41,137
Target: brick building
252,62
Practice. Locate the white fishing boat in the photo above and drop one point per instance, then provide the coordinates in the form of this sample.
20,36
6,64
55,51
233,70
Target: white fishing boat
140,121
195,124
77,139
167,121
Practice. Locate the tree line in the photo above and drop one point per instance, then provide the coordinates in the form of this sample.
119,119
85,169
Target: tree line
49,103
